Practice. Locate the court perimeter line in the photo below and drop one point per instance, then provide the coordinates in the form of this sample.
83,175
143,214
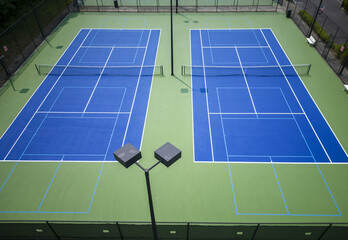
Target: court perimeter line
329,190
56,112
246,82
250,113
95,188
309,123
101,74
141,37
136,88
206,95
91,40
56,81
280,188
9,176
222,125
111,47
249,162
234,195
115,123
38,87
235,46
192,117
287,80
309,93
49,186
148,101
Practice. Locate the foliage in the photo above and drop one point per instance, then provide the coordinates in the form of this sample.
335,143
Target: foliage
11,10
6,9
345,5
317,28
324,36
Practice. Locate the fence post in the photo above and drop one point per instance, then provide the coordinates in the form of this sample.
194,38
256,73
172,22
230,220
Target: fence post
3,64
15,39
257,228
76,4
188,231
330,43
322,235
344,62
28,29
287,7
322,27
37,18
119,230
315,18
67,4
301,19
55,234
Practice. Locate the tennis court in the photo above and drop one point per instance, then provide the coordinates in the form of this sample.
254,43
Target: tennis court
98,83
249,104
96,96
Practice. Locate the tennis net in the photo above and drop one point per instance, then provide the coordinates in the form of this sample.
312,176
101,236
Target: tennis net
260,71
70,70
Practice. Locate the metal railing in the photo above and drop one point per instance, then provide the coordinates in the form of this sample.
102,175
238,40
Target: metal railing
170,230
180,5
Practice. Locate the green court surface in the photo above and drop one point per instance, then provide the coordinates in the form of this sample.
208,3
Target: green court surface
187,191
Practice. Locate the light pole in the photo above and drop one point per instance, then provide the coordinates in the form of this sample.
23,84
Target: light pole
315,18
171,38
166,154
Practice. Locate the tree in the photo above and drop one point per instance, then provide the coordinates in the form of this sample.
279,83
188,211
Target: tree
345,5
6,9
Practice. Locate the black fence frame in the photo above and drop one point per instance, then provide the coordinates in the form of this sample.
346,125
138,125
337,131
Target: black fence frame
170,230
179,5
23,37
329,35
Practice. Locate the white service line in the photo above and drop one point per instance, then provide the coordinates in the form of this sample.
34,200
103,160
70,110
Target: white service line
46,96
101,74
287,80
136,88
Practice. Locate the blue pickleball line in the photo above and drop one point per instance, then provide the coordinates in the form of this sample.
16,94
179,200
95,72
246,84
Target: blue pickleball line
31,107
43,199
280,188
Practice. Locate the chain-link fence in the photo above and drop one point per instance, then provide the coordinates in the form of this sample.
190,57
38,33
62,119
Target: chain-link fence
180,5
331,39
170,230
21,39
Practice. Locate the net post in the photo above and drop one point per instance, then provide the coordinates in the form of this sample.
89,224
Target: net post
309,68
37,69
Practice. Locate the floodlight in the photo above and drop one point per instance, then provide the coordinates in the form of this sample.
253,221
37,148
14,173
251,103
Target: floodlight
127,155
167,154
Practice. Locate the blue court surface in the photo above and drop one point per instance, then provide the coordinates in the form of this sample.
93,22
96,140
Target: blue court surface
91,106
250,105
